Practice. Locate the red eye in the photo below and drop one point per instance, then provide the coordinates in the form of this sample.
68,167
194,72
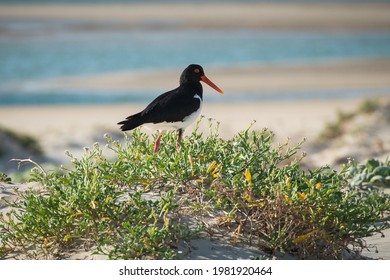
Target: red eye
196,70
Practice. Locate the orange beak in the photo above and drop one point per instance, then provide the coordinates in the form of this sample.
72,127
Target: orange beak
211,84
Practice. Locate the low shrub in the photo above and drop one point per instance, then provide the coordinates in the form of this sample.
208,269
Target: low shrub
134,207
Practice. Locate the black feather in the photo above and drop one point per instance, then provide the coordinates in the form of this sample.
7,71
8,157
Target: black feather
171,106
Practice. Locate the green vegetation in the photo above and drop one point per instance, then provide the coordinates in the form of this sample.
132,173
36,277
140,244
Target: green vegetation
372,173
138,206
26,141
368,106
337,127
4,178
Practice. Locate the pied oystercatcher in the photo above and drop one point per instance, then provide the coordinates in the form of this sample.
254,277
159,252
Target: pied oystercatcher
175,109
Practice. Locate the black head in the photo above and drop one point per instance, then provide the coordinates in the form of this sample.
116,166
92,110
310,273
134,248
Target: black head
194,74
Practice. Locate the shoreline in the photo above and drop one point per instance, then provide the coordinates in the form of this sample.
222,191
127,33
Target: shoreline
252,79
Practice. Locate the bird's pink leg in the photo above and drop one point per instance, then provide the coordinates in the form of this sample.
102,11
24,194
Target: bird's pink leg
179,137
157,144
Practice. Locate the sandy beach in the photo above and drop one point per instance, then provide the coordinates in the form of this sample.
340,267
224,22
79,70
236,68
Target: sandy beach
304,115
72,123
61,128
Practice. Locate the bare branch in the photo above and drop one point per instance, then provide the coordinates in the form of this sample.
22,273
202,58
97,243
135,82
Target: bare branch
27,161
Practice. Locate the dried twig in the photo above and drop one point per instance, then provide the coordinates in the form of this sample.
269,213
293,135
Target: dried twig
29,160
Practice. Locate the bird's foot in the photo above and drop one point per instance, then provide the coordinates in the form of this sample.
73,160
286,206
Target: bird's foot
156,148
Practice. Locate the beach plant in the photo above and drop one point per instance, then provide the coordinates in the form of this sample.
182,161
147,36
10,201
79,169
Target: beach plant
337,127
26,141
140,205
370,174
5,178
368,106
89,205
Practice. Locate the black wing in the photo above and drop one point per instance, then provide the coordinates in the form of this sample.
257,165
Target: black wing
172,106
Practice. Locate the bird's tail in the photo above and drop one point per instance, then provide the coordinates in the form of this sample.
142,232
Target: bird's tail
131,122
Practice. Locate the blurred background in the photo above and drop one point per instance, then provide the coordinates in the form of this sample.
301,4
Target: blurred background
70,70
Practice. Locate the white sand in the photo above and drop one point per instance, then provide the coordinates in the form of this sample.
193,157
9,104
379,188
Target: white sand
61,128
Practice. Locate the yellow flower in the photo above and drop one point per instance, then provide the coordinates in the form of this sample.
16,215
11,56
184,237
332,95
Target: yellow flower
248,177
288,181
211,166
318,186
166,220
191,164
256,203
287,199
303,237
248,196
164,213
303,196
219,166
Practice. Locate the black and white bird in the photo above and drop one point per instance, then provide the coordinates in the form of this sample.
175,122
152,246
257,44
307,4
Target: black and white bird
175,109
